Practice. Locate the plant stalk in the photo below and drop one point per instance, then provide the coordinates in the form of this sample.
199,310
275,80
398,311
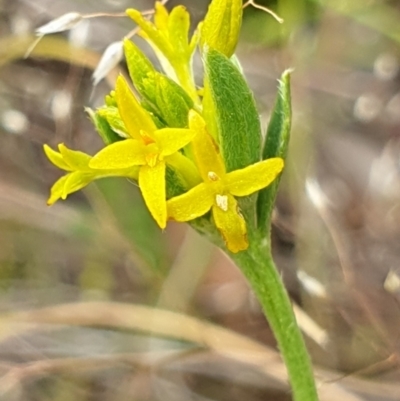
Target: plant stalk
258,266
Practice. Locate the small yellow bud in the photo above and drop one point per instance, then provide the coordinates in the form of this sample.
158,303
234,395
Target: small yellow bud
221,27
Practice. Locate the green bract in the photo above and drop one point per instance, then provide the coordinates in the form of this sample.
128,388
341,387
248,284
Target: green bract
276,145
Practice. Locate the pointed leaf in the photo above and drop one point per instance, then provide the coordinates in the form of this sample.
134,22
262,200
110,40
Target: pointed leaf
111,114
141,70
172,101
175,185
276,145
238,125
102,127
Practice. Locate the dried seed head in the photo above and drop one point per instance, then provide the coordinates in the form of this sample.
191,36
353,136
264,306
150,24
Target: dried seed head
60,24
111,57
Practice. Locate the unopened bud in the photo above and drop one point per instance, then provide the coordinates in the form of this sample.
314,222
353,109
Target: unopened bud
221,27
111,57
60,24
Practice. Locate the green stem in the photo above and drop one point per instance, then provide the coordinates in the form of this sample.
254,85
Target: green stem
259,268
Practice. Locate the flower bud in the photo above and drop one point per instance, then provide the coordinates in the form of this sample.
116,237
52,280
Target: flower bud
221,26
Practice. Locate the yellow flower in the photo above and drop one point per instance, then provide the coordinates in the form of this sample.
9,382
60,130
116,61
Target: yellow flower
218,189
149,148
79,173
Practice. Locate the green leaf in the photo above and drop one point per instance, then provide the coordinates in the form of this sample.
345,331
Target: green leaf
154,112
172,102
174,183
276,145
111,114
110,99
103,127
232,104
141,70
164,97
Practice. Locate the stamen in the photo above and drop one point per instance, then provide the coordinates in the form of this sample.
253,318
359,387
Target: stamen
212,176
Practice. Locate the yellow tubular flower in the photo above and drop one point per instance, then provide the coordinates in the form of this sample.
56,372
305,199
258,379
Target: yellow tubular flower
218,189
147,147
79,173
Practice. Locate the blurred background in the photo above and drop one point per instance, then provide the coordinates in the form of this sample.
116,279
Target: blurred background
88,286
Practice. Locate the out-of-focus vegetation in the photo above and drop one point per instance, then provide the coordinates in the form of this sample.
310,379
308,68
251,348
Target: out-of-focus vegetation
72,276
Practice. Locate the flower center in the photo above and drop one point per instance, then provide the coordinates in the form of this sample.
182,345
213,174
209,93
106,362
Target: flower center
152,154
147,139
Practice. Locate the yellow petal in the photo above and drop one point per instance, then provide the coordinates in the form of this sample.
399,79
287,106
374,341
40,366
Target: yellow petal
205,150
231,224
56,158
152,186
170,140
185,167
122,154
134,116
254,177
150,31
161,17
178,29
191,204
74,158
57,190
76,181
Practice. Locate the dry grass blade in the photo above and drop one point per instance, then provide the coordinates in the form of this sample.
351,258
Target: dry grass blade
169,324
15,47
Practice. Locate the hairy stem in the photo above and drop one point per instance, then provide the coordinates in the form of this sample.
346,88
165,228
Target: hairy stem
259,268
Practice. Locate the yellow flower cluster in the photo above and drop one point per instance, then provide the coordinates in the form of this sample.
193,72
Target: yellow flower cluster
149,147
